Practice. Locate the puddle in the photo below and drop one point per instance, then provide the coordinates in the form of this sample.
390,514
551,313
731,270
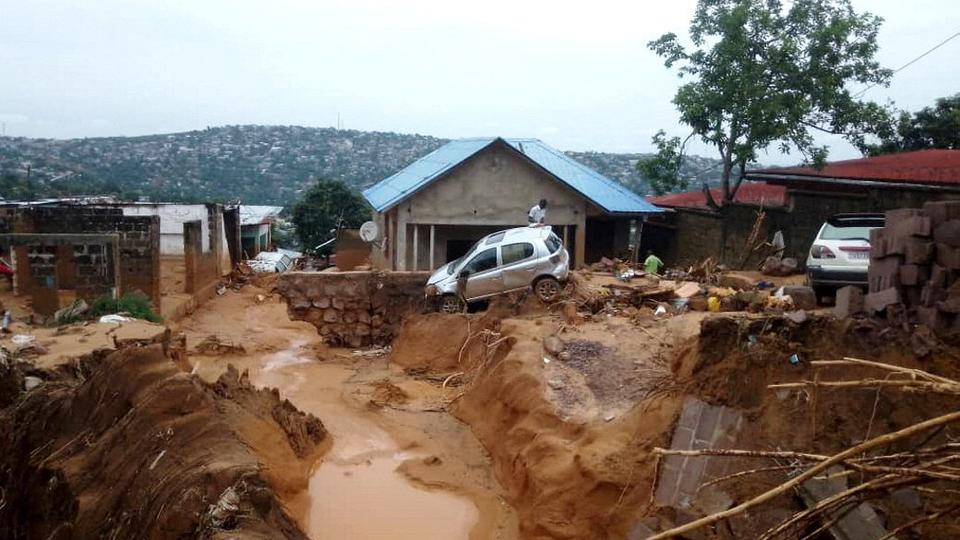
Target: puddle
356,492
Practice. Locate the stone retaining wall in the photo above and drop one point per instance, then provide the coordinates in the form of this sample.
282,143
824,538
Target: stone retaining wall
353,308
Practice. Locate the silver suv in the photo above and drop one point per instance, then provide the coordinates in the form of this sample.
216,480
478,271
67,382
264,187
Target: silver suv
503,262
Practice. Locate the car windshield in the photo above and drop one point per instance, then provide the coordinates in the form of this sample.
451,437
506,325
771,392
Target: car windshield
452,267
853,232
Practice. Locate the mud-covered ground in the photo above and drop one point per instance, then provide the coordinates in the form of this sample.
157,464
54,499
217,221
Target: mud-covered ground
523,421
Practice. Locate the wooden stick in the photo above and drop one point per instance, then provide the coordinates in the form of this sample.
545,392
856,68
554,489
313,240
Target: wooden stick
847,361
884,482
740,453
913,523
882,440
933,387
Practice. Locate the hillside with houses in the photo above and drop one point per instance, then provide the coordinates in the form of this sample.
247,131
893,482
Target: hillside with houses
258,164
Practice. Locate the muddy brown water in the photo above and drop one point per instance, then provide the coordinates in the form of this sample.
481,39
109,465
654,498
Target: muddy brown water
356,491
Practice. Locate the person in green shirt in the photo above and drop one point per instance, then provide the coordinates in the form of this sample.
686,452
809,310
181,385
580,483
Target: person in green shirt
652,264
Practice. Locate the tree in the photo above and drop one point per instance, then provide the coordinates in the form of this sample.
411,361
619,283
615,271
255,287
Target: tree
930,127
326,206
766,72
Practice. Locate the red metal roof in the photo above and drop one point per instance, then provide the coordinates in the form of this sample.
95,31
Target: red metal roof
749,192
920,167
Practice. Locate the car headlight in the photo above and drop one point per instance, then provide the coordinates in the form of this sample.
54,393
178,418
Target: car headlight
432,290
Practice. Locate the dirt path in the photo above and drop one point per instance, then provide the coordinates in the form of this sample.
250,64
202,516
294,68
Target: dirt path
397,467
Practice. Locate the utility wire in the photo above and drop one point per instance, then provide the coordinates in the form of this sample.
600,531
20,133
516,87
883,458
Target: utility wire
935,47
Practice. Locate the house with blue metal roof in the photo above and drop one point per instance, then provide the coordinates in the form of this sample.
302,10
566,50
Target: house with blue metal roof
434,209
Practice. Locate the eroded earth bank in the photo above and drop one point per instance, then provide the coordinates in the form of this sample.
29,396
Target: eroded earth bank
522,421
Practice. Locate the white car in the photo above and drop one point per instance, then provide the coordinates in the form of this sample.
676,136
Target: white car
840,254
503,262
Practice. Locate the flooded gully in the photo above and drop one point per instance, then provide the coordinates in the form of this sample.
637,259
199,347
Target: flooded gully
396,466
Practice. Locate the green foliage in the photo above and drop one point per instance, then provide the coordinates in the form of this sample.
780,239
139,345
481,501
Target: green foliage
284,235
769,72
662,170
135,304
326,206
931,127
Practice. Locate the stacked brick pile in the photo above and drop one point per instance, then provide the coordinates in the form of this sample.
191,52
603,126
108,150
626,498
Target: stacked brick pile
915,263
353,308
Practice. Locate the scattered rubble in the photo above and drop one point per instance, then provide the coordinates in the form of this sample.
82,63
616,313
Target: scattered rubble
915,266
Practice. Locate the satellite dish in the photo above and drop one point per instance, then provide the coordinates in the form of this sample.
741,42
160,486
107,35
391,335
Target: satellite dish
369,231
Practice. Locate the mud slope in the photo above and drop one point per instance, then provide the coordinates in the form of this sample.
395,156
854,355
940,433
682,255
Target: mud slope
126,446
565,478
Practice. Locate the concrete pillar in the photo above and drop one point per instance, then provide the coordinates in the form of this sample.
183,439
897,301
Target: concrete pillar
433,235
416,246
579,257
566,236
401,257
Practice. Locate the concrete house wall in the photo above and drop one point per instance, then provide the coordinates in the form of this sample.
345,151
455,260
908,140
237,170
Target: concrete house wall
492,190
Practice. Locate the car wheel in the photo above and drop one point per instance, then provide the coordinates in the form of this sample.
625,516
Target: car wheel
451,304
547,289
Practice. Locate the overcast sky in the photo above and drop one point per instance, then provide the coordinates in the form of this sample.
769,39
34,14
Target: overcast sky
575,74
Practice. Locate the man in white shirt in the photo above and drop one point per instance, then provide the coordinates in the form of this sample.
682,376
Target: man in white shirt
537,214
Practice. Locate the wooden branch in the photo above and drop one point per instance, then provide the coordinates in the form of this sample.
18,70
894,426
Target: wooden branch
883,440
848,361
913,523
926,386
741,453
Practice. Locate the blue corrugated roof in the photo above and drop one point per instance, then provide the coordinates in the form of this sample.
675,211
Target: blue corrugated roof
600,190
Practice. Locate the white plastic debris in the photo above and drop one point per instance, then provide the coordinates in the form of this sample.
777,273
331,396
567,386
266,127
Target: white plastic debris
114,319
30,382
22,339
659,311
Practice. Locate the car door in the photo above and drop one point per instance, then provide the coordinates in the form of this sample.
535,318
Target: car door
519,265
484,277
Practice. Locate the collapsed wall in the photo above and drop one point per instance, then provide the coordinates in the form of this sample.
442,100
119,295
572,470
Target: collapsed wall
124,445
353,308
915,262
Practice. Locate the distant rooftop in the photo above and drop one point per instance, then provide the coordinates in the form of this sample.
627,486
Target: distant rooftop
919,167
607,194
749,192
255,215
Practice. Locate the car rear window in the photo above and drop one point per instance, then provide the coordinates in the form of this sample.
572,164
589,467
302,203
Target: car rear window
848,232
512,253
553,243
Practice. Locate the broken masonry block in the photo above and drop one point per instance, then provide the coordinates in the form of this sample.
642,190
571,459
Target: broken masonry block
941,211
938,276
878,243
948,257
930,295
910,226
917,251
331,315
913,274
948,233
898,215
883,273
849,302
911,296
803,297
876,302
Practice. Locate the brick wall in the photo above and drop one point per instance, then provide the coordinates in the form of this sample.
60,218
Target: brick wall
201,268
353,308
138,240
694,235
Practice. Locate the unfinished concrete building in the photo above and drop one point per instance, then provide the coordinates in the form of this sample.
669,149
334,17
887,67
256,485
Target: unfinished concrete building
433,210
61,250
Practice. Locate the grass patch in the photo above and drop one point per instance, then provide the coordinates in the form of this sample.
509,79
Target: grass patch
135,305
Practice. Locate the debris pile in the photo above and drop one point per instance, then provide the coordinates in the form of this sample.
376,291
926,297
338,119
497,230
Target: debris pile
915,266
